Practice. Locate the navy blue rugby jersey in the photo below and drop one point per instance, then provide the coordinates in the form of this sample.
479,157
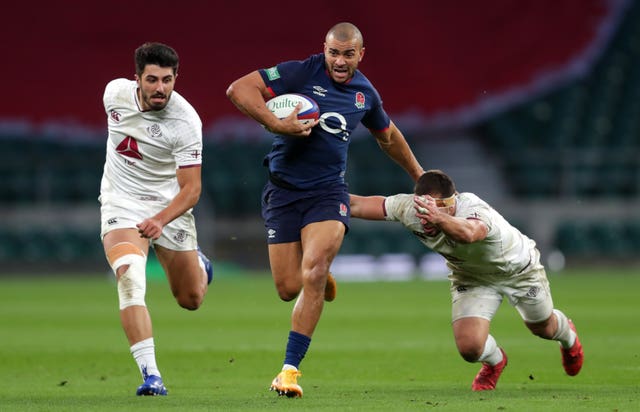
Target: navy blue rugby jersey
321,158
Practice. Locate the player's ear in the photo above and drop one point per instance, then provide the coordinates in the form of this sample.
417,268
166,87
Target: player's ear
361,55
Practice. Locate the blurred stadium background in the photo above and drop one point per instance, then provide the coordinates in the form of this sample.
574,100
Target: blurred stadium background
534,105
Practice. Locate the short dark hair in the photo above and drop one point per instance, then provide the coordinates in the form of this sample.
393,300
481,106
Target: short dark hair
346,31
435,182
158,54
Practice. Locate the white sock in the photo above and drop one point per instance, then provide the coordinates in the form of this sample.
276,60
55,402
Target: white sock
564,334
204,269
491,355
287,367
144,353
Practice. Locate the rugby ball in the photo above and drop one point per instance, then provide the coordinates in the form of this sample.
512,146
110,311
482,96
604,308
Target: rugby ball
283,105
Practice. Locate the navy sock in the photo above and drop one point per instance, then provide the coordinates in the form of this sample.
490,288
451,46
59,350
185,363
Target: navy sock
297,346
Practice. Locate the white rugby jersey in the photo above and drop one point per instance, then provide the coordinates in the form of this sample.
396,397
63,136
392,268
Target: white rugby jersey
144,149
504,252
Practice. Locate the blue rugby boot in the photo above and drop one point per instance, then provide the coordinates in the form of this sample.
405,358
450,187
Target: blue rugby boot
152,386
208,267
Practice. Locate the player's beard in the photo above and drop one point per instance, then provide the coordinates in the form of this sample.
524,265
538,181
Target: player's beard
154,105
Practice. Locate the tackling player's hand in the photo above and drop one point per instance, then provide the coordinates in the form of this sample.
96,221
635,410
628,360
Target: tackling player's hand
150,228
426,209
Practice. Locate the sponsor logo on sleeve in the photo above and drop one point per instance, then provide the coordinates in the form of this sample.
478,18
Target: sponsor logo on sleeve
272,73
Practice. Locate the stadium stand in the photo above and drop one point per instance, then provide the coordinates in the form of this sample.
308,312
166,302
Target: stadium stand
582,140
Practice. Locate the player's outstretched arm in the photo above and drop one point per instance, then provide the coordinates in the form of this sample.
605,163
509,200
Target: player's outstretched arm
367,207
393,143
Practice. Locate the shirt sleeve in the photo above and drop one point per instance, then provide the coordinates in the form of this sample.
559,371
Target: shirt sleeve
286,76
395,207
376,118
188,150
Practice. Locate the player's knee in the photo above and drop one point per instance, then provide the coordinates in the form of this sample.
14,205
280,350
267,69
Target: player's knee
288,290
315,279
470,351
128,262
288,295
191,300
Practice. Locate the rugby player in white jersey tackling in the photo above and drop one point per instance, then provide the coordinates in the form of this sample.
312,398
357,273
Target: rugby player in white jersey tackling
489,260
150,184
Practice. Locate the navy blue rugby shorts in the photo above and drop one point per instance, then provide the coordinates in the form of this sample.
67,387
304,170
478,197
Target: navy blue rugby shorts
286,212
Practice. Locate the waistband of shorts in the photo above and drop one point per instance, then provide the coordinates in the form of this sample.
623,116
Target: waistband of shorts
148,198
281,183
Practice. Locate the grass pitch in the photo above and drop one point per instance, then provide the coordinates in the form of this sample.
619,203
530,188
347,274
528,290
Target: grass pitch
378,347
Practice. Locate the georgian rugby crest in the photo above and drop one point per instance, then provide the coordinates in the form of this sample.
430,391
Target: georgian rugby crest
154,130
180,236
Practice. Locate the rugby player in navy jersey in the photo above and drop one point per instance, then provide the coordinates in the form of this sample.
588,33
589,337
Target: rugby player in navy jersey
305,203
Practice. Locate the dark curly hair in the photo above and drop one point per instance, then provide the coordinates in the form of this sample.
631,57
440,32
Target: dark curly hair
158,54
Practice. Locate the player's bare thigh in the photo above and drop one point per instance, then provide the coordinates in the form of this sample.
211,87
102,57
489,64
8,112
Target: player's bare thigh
286,268
186,277
321,242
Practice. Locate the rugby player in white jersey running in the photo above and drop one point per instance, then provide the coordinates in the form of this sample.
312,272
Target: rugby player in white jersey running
489,260
150,184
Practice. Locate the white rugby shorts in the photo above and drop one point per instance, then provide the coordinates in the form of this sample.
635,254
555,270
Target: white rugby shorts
126,213
528,292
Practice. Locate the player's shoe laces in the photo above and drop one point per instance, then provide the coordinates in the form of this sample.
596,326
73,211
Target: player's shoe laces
488,376
286,383
573,357
152,386
330,289
208,267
